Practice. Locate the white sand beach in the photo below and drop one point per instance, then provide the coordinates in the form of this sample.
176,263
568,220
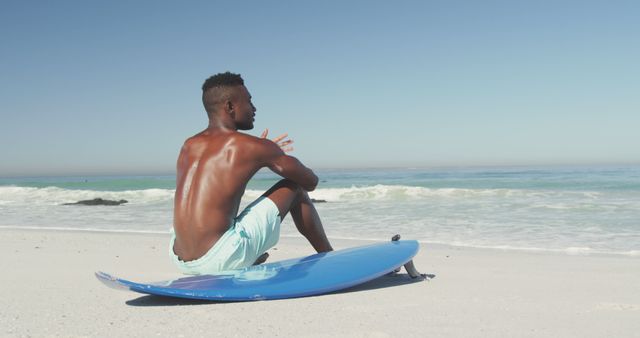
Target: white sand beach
49,289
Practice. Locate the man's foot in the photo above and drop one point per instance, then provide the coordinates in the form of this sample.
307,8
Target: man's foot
261,259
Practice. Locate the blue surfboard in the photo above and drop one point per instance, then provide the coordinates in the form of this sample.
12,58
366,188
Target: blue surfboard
311,275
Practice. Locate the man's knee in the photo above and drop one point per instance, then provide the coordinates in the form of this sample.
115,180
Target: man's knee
291,185
285,194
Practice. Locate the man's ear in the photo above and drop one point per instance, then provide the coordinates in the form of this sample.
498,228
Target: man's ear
229,108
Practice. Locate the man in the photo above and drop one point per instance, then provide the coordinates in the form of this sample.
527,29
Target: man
214,167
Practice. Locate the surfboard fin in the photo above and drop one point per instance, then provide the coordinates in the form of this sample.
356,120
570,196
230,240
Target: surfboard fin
409,266
413,272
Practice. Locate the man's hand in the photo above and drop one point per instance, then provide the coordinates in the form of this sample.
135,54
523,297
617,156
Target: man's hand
281,141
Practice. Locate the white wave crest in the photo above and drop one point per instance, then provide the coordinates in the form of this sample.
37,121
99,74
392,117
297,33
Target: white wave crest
10,195
395,192
55,195
401,192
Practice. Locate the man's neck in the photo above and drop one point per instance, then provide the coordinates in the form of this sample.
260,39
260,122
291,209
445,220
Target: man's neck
216,124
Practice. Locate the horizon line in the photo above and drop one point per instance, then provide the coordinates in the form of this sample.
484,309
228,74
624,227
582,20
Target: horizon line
139,173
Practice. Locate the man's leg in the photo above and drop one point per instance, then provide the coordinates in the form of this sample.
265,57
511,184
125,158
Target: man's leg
290,197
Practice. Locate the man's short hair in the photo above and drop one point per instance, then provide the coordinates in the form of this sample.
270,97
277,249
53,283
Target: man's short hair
226,79
216,89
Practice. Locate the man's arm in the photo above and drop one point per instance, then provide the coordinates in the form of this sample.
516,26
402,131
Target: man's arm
286,166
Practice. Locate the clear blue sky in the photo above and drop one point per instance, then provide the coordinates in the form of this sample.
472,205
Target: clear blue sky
114,86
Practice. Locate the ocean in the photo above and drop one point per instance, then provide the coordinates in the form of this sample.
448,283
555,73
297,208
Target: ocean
573,210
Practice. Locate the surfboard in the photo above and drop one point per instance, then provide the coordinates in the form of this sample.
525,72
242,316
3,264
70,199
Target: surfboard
306,276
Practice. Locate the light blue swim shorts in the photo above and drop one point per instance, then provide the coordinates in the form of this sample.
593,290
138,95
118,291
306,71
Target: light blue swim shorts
254,231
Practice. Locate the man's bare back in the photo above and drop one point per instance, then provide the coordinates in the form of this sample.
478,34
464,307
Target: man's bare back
215,165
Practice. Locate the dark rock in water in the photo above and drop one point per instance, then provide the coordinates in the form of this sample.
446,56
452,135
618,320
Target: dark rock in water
318,201
98,201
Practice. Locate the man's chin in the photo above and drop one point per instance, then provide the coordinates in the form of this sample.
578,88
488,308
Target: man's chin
245,127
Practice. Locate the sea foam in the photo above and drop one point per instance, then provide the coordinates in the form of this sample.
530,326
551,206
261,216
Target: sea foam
499,212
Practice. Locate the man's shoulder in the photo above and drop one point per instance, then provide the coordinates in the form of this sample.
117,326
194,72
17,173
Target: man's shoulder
195,139
245,144
242,137
233,136
255,148
249,141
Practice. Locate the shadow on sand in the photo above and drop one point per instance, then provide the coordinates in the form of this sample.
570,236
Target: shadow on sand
378,283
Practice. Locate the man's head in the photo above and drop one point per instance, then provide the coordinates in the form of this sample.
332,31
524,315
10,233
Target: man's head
225,97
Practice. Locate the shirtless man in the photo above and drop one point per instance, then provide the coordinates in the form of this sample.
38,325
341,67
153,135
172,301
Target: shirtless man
213,169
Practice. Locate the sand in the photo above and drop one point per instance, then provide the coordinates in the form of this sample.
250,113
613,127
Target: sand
48,289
